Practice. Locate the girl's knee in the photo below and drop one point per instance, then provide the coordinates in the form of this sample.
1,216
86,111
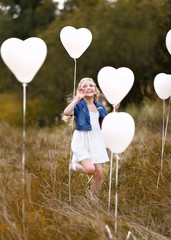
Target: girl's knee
90,170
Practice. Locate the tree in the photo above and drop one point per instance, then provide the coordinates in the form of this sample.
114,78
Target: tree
126,33
22,19
30,17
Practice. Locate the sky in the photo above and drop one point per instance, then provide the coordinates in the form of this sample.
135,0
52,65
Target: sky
61,3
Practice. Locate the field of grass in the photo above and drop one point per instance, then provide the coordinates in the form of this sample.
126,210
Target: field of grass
142,208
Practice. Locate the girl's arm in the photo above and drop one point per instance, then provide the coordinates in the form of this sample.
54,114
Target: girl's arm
68,111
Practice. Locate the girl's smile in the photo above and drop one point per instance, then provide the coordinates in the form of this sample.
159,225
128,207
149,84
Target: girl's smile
89,87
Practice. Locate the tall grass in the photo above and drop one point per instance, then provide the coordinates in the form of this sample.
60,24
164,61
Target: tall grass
142,208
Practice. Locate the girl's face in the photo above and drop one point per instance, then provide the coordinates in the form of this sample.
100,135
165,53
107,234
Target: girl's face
89,86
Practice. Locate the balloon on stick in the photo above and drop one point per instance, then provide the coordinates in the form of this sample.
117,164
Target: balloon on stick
162,86
115,83
168,41
75,41
118,131
24,59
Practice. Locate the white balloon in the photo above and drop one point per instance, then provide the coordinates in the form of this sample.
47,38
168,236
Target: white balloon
24,58
162,85
75,41
118,131
115,83
168,41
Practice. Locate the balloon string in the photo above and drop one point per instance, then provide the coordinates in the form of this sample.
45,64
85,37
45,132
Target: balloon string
23,156
116,199
72,126
110,180
70,179
109,232
167,121
116,194
111,236
130,234
160,172
75,71
164,134
114,110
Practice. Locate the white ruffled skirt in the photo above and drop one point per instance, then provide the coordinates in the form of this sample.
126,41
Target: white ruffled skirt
89,144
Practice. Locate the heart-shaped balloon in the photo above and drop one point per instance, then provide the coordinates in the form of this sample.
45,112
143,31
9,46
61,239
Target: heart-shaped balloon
115,83
24,58
75,41
118,131
162,85
168,41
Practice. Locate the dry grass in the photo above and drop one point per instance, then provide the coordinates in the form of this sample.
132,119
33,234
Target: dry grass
142,208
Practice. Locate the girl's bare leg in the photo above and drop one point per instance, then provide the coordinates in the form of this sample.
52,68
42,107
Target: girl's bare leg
85,166
95,188
79,168
88,166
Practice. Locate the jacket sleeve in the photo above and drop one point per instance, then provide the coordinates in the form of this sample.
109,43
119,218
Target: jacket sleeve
76,110
104,110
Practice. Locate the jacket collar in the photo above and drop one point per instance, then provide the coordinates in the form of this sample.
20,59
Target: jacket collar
83,102
85,108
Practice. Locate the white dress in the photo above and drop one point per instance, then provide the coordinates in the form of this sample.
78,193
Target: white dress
89,144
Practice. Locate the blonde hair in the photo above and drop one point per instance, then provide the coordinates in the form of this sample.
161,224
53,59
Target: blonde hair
69,99
96,96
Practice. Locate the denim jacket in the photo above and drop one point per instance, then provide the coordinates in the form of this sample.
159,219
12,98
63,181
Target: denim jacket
82,115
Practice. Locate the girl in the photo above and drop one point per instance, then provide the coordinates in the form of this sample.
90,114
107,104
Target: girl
88,147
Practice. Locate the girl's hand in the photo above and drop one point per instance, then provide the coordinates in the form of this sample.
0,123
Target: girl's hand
81,93
68,111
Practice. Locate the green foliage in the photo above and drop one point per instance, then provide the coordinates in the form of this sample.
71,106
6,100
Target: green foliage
5,27
12,110
44,14
125,34
33,15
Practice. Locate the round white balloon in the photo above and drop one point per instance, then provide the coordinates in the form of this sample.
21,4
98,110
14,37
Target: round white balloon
168,41
75,41
162,85
118,131
24,58
115,83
